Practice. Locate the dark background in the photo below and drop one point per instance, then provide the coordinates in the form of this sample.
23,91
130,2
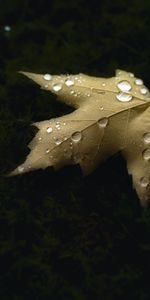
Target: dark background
63,236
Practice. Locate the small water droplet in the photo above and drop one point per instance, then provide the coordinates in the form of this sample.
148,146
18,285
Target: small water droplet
143,90
146,137
103,122
138,81
39,138
47,76
101,108
144,181
45,87
49,129
131,74
64,123
123,97
103,84
124,86
69,82
76,136
20,169
57,87
72,92
88,95
58,141
146,154
47,150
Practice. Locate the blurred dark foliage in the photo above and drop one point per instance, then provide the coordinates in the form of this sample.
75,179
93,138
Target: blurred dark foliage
63,236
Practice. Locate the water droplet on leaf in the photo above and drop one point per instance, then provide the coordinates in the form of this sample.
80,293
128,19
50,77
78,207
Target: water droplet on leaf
144,181
49,129
124,86
76,136
138,81
69,82
131,74
146,154
58,142
103,122
143,90
123,97
48,150
146,137
57,87
20,169
47,77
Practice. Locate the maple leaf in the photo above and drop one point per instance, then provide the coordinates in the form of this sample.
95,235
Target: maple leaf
111,115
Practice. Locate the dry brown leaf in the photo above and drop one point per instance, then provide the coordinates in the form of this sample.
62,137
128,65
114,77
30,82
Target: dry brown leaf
111,115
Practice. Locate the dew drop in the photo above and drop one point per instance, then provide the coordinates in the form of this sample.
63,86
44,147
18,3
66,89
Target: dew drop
69,82
146,137
47,150
57,87
124,86
45,86
72,92
47,77
49,129
76,136
123,97
39,138
131,74
20,169
146,154
138,81
103,122
144,181
88,95
143,90
58,142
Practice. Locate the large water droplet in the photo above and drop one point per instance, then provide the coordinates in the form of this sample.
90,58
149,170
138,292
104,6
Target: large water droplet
47,77
146,137
146,154
138,81
124,86
49,129
103,122
69,82
143,90
57,87
76,136
144,181
123,97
